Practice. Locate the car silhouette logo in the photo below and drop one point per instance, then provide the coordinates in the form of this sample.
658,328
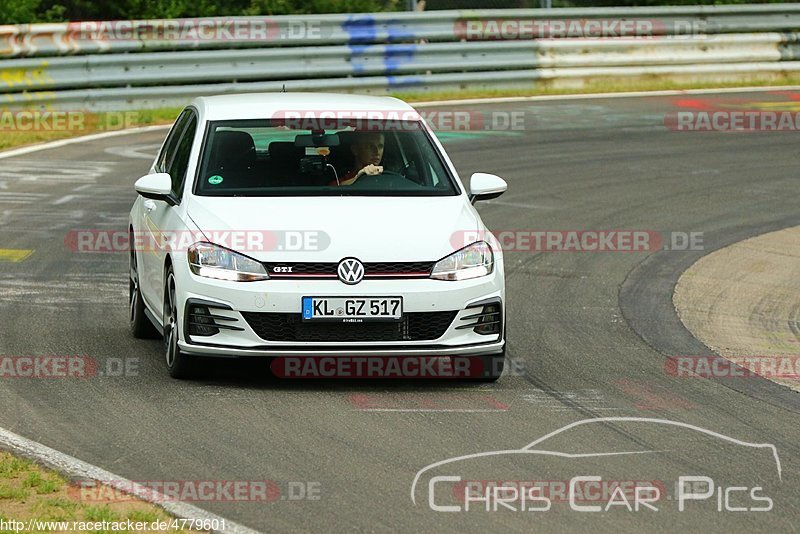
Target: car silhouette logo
533,449
351,271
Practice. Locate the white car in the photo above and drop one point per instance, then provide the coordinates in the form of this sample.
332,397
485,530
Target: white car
297,225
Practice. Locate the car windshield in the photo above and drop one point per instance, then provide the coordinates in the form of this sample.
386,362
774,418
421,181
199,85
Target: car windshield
274,158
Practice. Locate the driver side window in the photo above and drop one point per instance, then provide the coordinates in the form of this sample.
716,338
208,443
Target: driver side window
179,165
168,151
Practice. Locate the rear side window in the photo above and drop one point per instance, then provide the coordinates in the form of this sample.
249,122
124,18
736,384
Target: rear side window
180,163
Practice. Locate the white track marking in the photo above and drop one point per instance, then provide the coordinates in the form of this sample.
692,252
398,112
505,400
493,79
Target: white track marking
64,200
520,205
55,172
20,198
147,152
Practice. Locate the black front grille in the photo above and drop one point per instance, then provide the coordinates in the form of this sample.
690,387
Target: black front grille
301,268
424,326
371,270
375,269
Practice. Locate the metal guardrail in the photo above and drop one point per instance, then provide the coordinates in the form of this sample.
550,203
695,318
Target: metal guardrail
185,68
29,40
156,63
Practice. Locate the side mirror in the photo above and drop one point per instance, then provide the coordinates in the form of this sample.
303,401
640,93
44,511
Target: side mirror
484,186
156,187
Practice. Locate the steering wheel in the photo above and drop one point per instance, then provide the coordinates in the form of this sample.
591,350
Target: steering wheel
388,181
366,179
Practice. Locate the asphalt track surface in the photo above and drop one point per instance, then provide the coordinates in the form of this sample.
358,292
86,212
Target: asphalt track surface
589,335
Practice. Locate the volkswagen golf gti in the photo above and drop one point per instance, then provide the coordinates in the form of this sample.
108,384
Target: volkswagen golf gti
313,225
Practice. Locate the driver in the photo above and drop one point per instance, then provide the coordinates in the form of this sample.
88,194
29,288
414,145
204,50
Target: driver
367,149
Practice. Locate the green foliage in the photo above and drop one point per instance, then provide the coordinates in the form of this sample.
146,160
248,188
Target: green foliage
18,11
43,484
146,516
605,3
100,513
502,4
10,466
12,492
25,11
286,7
57,509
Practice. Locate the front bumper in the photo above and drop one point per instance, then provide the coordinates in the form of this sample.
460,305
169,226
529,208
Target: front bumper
486,349
285,296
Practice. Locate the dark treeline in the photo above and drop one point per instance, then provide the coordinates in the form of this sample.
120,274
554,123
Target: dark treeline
22,11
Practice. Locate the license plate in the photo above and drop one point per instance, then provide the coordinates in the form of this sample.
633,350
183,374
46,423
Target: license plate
352,309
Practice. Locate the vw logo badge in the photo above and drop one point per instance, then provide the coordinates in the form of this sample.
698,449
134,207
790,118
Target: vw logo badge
351,271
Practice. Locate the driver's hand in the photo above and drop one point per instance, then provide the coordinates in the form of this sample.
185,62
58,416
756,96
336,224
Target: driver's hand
371,170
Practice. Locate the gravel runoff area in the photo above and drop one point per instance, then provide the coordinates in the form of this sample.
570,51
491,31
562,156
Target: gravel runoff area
742,302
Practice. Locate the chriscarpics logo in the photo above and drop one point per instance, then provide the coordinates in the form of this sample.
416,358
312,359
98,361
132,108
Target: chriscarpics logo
609,465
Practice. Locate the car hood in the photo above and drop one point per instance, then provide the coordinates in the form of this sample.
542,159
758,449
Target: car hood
372,229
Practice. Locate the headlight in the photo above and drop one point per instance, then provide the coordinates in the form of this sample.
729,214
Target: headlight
470,262
213,261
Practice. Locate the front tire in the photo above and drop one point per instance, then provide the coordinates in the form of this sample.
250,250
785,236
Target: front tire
492,367
179,364
138,323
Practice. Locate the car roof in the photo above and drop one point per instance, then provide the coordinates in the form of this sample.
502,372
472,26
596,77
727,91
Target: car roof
265,105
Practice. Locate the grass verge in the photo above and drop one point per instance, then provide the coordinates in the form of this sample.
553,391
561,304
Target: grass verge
16,132
29,492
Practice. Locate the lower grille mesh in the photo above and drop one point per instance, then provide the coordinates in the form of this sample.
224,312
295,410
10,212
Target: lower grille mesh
423,326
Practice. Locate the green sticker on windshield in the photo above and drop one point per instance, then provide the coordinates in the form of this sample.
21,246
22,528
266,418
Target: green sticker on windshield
215,180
